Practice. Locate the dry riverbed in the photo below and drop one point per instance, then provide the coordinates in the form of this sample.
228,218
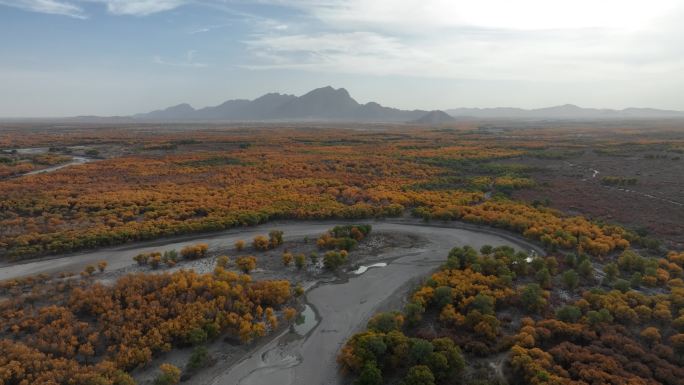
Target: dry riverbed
398,254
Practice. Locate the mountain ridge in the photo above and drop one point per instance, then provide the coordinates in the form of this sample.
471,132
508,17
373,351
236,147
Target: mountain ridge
337,105
325,103
565,111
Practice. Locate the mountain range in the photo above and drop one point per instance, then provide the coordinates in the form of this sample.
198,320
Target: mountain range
321,104
567,111
336,105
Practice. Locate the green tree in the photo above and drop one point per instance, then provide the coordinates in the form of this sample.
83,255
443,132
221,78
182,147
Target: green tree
170,375
370,374
334,259
442,296
569,313
571,279
300,261
543,277
199,358
586,269
420,350
413,312
612,271
419,375
484,303
385,322
621,284
532,297
197,336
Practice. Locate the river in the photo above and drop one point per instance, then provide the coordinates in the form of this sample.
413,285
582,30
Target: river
339,309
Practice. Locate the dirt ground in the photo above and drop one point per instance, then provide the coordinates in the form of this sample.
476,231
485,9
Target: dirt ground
654,205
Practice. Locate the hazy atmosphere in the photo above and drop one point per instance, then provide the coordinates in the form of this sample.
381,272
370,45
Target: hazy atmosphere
120,57
341,192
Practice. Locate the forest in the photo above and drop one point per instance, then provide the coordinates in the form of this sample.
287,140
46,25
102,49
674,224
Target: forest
495,316
69,330
177,183
603,305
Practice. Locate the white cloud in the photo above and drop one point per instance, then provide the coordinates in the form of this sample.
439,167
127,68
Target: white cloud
142,7
532,40
54,7
188,61
116,7
427,15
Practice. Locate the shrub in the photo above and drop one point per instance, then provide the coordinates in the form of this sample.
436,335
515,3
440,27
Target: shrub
142,258
246,264
239,245
332,260
223,261
197,336
260,242
287,258
199,358
569,313
275,238
300,261
419,375
570,279
370,375
170,375
195,251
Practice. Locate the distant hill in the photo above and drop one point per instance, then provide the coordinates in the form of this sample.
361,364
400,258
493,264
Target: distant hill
567,111
328,104
321,104
435,117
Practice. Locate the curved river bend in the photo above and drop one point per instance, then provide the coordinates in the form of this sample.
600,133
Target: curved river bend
340,308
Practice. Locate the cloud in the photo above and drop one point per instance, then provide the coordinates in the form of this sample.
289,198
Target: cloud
529,40
142,7
54,7
189,61
116,7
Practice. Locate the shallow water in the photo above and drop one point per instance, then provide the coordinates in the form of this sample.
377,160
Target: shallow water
362,269
306,321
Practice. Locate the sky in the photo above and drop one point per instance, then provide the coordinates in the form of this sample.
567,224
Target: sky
119,57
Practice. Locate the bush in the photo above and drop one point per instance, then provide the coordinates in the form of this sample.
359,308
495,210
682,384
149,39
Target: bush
170,258
386,322
197,336
170,375
370,375
142,258
569,313
332,260
260,242
532,297
300,261
246,264
571,279
622,284
275,238
155,260
413,312
199,358
419,375
195,251
239,245
287,258
223,261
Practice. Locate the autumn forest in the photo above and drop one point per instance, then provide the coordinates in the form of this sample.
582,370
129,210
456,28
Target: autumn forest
159,254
